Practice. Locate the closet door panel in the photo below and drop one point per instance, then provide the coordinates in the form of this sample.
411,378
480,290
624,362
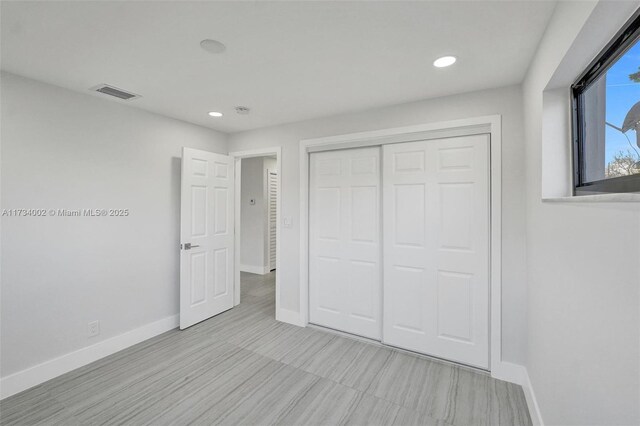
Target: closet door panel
344,241
436,248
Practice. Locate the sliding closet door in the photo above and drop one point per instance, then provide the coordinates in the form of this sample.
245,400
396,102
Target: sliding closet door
436,248
344,241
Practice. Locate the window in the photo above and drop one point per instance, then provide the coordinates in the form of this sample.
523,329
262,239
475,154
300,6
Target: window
606,117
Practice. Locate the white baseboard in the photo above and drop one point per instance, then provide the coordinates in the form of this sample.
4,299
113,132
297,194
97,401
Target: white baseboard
32,376
252,269
518,374
508,372
290,317
532,402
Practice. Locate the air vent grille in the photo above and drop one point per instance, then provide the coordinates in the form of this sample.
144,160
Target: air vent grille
115,92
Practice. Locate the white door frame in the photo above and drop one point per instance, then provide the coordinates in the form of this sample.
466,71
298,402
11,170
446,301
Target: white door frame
237,158
492,125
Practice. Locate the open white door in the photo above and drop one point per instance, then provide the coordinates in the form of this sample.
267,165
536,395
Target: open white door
206,235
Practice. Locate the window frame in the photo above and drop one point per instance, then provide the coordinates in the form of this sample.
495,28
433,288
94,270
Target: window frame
616,48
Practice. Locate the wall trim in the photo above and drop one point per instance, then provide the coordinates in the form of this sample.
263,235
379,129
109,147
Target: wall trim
40,373
491,124
519,375
532,401
290,317
253,269
509,372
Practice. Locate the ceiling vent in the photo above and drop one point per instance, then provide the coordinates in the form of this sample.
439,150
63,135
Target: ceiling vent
115,92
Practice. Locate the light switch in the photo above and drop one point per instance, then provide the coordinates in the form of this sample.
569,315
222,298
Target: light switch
286,221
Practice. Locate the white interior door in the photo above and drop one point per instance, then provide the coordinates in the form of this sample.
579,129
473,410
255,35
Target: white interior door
206,234
272,182
436,248
344,241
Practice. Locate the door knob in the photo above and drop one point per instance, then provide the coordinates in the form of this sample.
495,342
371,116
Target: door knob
189,246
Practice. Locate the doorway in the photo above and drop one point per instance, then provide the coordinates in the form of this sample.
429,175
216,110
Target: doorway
211,208
257,213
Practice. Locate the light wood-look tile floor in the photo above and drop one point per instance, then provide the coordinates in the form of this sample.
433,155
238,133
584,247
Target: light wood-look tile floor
242,367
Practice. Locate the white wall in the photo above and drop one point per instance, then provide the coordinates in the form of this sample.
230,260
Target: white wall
254,235
505,101
583,278
62,149
252,254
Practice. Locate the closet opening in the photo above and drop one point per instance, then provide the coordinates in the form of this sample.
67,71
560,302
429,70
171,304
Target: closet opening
400,234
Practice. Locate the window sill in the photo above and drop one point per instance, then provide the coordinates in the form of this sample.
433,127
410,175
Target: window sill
631,197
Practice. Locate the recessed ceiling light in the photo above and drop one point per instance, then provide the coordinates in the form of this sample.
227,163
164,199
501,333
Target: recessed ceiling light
215,114
445,61
212,46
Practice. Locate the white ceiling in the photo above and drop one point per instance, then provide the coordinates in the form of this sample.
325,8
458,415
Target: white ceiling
287,61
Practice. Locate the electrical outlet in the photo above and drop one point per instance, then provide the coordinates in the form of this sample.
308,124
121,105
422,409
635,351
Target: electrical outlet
93,328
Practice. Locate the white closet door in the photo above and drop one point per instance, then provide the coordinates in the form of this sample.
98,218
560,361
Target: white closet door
272,181
344,241
436,248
